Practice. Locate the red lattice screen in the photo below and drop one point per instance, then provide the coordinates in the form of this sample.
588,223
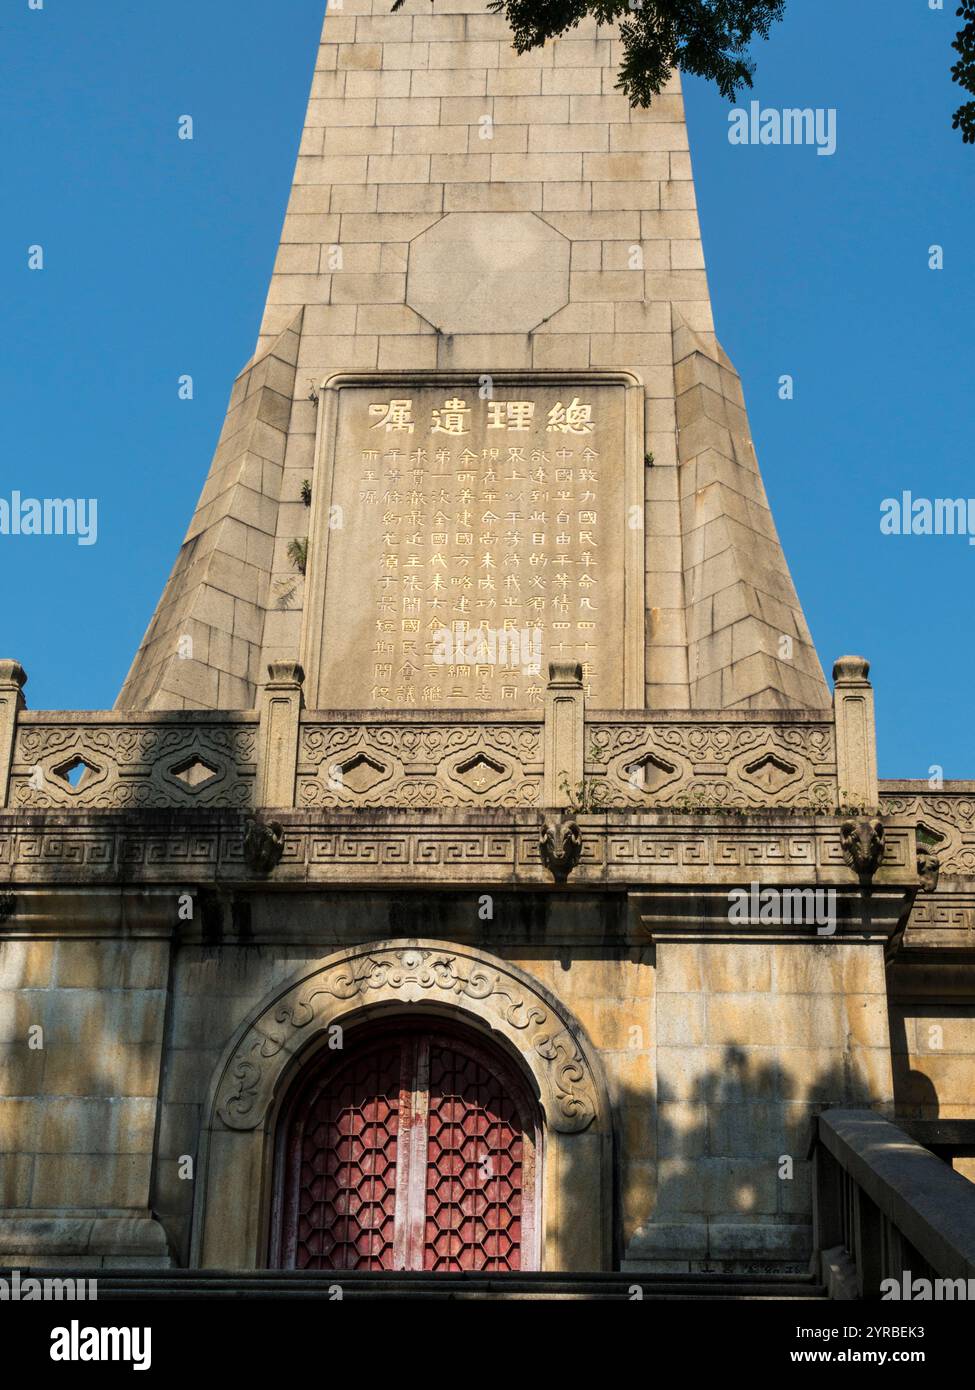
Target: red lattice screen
413,1151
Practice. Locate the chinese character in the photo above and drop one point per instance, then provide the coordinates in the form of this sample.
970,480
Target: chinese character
397,416
511,415
452,419
570,419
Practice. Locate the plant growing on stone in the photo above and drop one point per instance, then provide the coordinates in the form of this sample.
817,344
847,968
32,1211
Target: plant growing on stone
285,591
584,799
298,554
699,802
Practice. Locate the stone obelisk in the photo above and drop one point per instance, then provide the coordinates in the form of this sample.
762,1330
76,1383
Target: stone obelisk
488,355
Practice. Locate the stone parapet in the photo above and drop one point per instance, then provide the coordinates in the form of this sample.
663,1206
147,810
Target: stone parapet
285,756
113,761
899,1212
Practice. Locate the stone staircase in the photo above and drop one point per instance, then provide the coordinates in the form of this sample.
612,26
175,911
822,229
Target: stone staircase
287,1285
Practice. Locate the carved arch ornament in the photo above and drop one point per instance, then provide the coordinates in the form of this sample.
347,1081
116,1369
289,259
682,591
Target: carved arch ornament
413,973
234,1190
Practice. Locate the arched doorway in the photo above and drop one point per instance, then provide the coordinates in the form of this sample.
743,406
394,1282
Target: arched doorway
415,1147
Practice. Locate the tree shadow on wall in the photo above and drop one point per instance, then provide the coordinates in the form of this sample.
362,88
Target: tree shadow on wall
715,1171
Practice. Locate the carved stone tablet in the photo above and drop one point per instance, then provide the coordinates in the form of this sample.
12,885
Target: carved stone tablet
468,533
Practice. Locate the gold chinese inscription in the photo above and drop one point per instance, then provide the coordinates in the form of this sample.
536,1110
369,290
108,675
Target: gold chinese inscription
474,539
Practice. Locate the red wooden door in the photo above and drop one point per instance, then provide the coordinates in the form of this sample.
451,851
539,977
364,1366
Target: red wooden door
410,1150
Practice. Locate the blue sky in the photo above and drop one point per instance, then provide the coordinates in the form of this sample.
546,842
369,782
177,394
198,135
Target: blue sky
158,253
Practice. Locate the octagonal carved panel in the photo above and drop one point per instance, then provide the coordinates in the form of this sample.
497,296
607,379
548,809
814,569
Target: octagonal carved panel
488,272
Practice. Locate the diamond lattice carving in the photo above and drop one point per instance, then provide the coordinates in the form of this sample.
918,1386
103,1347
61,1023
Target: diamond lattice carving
194,772
772,773
650,773
75,771
480,773
362,772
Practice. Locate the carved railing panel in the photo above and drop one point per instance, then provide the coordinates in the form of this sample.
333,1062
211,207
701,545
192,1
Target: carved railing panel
115,762
691,763
945,820
696,765
420,764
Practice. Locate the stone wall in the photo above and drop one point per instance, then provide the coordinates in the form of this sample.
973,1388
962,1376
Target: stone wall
933,1053
752,1041
716,1057
81,1040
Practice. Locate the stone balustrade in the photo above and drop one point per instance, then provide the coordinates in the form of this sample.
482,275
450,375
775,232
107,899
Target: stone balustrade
565,756
887,1212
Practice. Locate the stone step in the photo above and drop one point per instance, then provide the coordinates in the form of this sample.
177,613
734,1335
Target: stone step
291,1284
